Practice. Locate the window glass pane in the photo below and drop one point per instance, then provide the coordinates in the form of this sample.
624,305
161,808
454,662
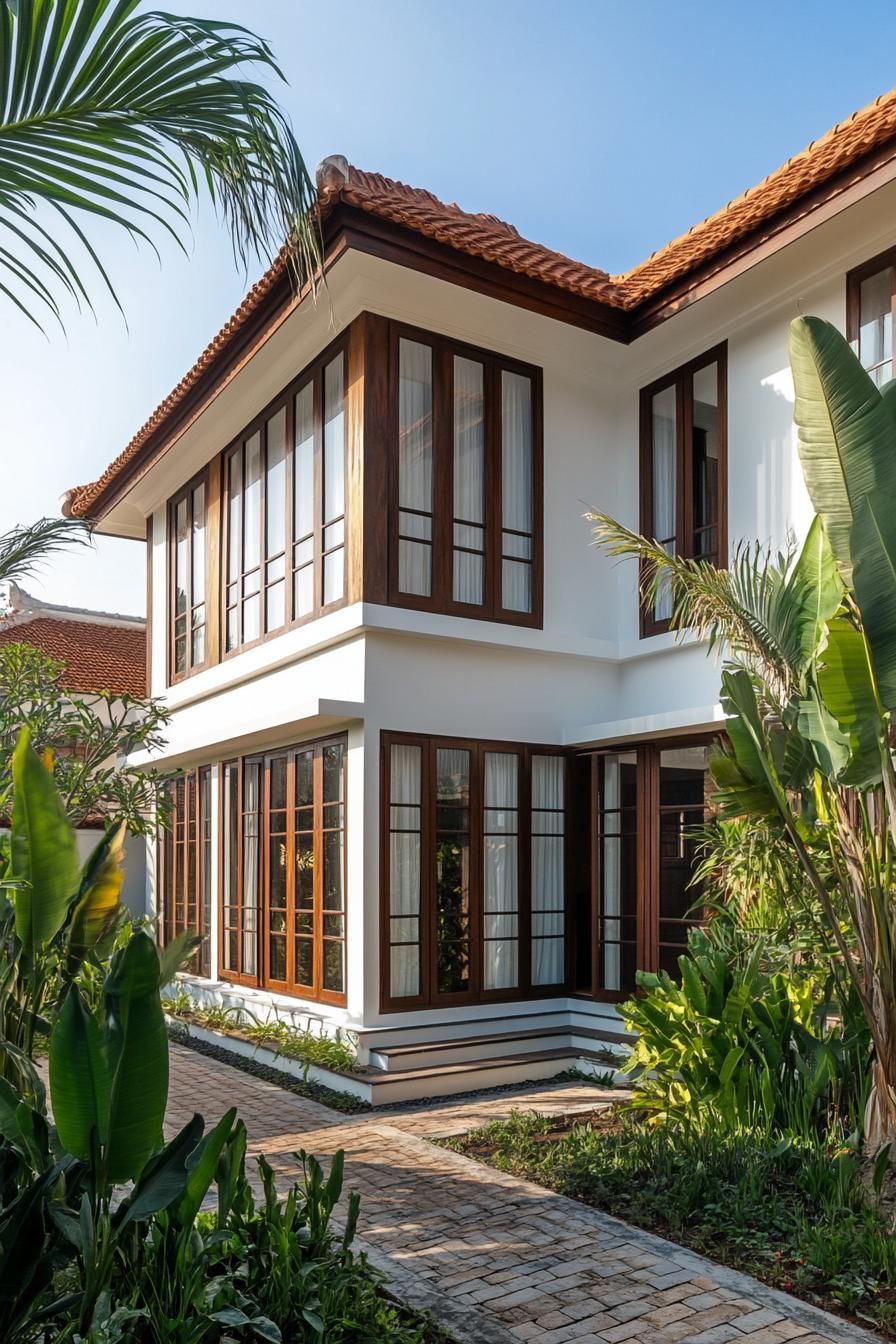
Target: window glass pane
303,598
663,482
516,451
181,554
404,870
684,802
251,892
617,849
876,325
198,545
548,869
705,461
303,478
452,870
469,441
334,441
501,871
234,533
415,457
275,496
334,576
252,504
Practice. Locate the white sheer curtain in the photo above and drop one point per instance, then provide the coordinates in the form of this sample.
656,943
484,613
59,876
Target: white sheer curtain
548,885
611,881
516,491
415,468
469,480
663,485
404,870
501,861
250,892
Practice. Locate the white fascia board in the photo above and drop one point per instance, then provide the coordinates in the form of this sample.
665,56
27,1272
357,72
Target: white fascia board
309,717
647,726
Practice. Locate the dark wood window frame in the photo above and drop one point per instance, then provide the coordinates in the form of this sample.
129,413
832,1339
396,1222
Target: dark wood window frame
322,546
441,598
193,601
183,857
854,281
682,380
647,836
320,937
428,997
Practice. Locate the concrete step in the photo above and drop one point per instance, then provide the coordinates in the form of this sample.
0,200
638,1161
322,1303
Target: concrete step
419,1053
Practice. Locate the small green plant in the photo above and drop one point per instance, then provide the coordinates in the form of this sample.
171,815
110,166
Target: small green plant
299,1043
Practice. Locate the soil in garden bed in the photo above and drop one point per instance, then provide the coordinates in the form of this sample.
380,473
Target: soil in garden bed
554,1152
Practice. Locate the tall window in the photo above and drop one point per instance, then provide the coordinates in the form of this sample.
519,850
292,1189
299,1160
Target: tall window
283,871
649,805
185,889
474,898
870,299
187,603
684,468
466,517
284,484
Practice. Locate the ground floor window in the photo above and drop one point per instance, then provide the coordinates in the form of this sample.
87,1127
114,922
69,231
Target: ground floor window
475,860
185,896
283,870
649,803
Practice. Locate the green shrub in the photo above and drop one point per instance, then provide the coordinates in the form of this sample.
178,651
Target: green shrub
299,1043
734,1048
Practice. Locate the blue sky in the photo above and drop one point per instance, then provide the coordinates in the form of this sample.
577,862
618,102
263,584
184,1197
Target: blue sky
601,129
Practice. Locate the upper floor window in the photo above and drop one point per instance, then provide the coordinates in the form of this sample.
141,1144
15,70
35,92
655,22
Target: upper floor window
188,605
284,489
466,488
683,468
871,295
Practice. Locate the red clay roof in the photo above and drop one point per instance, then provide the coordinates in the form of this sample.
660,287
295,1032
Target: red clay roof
97,656
486,237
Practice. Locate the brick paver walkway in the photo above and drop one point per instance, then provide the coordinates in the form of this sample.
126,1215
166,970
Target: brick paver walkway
496,1259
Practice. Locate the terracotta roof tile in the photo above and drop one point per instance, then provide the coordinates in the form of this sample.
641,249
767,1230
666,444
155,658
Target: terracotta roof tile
841,147
486,237
97,656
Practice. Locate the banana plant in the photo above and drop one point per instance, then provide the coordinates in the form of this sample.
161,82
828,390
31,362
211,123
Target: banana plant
809,684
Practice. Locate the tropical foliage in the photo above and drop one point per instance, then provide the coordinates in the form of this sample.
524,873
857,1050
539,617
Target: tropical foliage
79,1262
88,736
809,682
111,112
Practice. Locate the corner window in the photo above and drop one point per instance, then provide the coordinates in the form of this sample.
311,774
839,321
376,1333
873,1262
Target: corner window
284,488
466,505
684,469
188,608
870,299
474,847
283,871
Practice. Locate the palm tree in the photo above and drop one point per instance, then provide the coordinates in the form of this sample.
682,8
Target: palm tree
130,117
809,682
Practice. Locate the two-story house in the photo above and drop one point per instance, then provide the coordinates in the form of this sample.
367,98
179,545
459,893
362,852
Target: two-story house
442,769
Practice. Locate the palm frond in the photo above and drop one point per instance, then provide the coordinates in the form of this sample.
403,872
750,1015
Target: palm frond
746,608
130,117
24,549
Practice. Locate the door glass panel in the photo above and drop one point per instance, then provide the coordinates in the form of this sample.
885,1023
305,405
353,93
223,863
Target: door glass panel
617,852
452,871
404,870
684,803
548,869
500,935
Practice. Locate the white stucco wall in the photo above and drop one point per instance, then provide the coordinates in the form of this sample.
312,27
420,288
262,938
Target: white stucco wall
586,676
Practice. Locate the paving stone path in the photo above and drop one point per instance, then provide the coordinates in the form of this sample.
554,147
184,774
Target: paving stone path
496,1259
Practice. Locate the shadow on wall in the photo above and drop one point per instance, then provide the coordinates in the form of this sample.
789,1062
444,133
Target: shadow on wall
772,501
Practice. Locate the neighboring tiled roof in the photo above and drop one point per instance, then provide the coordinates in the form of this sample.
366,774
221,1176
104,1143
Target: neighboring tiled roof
99,655
490,239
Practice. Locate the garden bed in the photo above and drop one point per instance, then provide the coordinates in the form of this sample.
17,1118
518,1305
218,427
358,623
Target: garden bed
797,1218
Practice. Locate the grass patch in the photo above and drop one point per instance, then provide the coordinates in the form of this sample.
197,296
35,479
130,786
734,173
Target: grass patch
796,1216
